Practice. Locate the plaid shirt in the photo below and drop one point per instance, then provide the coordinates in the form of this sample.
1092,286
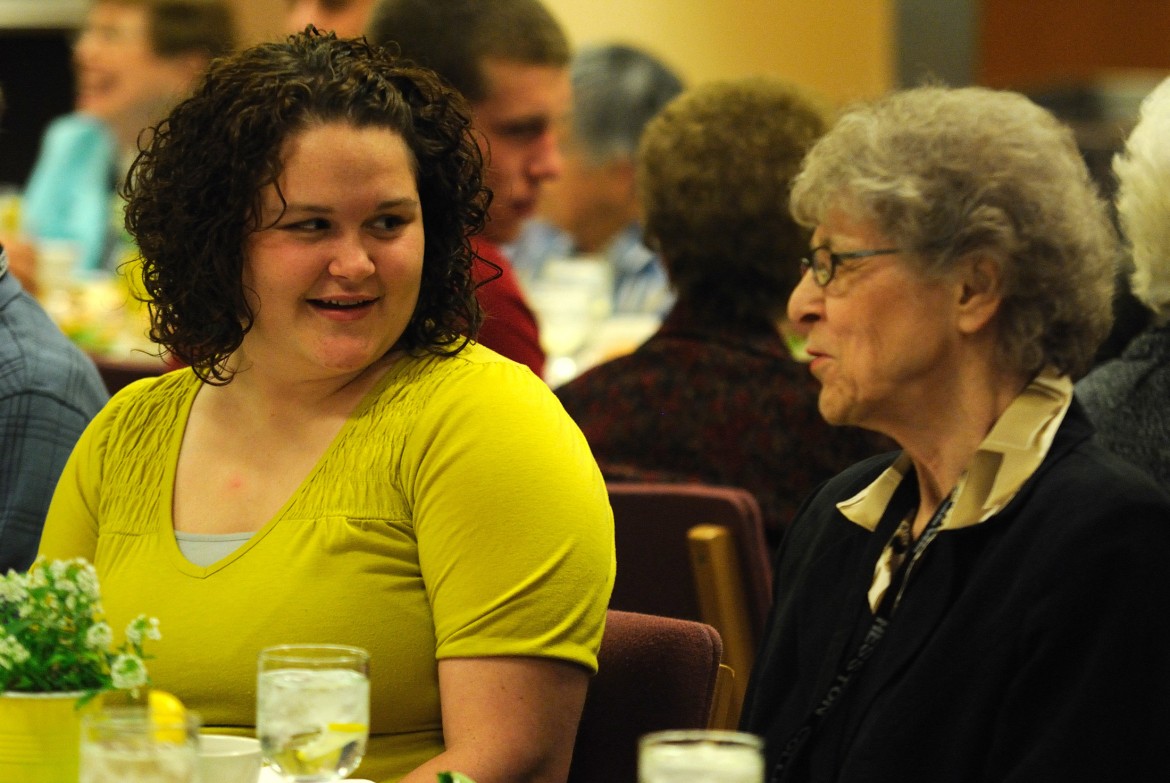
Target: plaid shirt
707,402
49,390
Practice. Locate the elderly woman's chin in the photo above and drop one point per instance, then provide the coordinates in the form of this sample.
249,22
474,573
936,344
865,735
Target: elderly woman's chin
841,404
843,415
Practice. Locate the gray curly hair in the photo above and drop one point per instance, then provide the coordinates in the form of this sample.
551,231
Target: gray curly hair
950,172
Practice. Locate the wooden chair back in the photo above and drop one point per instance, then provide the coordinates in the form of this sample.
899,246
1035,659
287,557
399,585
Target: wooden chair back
654,570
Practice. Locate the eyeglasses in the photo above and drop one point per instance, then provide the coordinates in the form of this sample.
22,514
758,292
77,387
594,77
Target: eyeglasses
824,262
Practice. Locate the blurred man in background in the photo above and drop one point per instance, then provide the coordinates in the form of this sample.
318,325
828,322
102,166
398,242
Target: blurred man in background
593,207
510,58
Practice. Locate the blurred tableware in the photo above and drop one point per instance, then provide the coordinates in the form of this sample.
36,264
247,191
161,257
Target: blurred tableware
9,209
134,745
57,262
313,710
700,756
269,775
227,759
570,297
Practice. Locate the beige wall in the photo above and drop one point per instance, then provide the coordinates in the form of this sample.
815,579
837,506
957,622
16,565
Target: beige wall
259,20
841,47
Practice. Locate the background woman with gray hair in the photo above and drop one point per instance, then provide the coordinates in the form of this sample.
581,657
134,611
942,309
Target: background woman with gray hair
1126,397
990,603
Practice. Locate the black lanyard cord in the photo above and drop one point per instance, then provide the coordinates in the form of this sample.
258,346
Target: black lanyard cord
884,612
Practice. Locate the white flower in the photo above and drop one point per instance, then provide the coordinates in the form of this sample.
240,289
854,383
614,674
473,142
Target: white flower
36,578
86,579
142,627
99,636
12,652
128,671
13,589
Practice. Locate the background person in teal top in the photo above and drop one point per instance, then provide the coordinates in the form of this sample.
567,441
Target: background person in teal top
133,60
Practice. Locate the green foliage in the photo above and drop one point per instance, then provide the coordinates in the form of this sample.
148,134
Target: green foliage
53,637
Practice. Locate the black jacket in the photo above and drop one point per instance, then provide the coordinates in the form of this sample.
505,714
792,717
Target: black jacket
1033,646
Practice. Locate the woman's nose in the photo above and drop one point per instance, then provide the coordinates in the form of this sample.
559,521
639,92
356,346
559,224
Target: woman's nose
805,303
351,259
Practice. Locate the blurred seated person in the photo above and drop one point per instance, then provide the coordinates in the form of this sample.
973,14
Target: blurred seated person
1126,397
341,461
133,60
989,603
715,395
510,59
49,391
347,18
592,208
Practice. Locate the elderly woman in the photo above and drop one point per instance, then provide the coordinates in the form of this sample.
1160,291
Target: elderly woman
990,603
340,463
1127,397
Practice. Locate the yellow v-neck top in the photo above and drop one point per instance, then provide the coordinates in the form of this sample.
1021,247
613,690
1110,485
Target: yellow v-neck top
458,513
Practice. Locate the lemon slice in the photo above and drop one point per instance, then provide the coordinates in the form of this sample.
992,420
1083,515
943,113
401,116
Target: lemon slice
169,717
347,728
324,749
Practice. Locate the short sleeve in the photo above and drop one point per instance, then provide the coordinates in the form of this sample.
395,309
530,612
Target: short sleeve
515,533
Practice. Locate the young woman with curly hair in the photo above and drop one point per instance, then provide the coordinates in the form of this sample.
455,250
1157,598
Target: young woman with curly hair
340,462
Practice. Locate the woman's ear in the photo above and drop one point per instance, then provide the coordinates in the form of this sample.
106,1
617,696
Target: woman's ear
979,292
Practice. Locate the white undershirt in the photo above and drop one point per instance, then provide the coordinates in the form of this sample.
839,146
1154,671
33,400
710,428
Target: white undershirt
203,549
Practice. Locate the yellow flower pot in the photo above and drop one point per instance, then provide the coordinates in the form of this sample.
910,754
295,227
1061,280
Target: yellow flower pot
40,736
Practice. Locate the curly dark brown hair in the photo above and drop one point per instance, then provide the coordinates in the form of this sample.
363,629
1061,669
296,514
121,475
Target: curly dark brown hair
194,190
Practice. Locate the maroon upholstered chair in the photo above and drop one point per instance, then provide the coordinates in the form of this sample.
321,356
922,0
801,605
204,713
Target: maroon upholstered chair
651,522
696,552
654,673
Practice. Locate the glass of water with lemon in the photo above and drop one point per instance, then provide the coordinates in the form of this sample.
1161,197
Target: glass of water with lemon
700,756
313,710
155,742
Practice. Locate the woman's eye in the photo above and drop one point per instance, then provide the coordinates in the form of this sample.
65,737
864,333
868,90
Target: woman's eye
312,224
389,222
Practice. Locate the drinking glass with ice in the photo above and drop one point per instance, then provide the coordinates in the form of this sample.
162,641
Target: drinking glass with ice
313,710
700,756
133,745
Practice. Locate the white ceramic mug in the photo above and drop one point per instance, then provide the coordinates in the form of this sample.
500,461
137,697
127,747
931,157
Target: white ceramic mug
227,759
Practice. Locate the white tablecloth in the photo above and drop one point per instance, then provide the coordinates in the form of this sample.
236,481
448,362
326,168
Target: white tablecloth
268,776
